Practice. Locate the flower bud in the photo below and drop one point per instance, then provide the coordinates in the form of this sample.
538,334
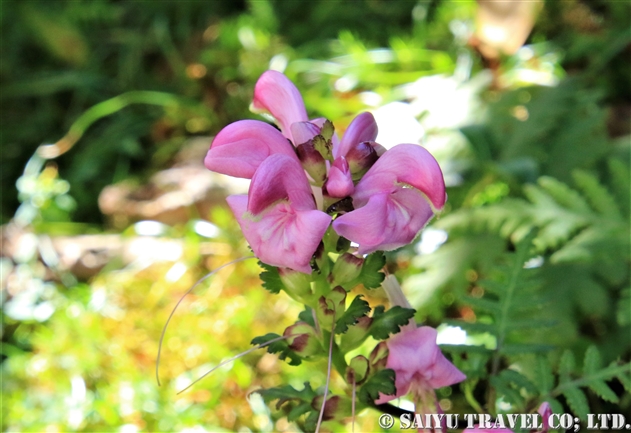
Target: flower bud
303,340
358,370
312,161
379,356
347,267
356,334
360,158
297,284
331,305
336,407
339,183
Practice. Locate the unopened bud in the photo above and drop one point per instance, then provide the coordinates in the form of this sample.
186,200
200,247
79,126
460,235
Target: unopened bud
358,370
379,356
303,339
336,407
347,267
360,158
312,161
297,284
356,334
330,306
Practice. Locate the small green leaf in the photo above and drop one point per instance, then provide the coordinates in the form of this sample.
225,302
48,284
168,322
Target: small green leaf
287,392
603,391
390,322
383,382
371,276
543,375
357,309
281,347
306,316
591,363
520,380
566,366
577,401
299,410
271,278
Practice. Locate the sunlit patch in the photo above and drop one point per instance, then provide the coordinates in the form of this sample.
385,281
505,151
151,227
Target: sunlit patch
535,262
149,228
206,229
451,335
431,240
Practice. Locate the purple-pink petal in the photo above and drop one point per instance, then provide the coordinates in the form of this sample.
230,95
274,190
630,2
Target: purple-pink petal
239,148
362,128
386,222
275,93
302,132
280,177
281,235
404,164
339,183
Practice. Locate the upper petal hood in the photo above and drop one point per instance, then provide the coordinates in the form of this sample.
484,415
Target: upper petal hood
407,164
275,93
280,177
239,148
362,128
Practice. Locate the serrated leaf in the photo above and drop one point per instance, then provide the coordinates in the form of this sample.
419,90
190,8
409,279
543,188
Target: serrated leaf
520,380
371,275
577,401
306,316
591,363
384,324
287,392
564,195
566,365
505,390
381,382
603,391
357,309
543,375
625,380
600,198
271,278
298,411
483,304
281,347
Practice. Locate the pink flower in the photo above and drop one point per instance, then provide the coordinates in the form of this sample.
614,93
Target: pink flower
419,366
394,200
278,216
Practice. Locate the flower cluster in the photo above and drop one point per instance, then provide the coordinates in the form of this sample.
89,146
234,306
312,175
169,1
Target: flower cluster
304,177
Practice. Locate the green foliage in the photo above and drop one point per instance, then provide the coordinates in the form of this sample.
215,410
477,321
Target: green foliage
389,322
571,383
295,403
281,347
270,278
358,308
380,382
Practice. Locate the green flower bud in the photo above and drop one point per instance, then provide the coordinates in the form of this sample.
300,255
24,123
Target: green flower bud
360,158
297,284
336,407
356,334
358,370
347,267
379,356
331,305
303,340
312,161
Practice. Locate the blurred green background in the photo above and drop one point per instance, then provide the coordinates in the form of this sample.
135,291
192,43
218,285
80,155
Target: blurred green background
106,226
